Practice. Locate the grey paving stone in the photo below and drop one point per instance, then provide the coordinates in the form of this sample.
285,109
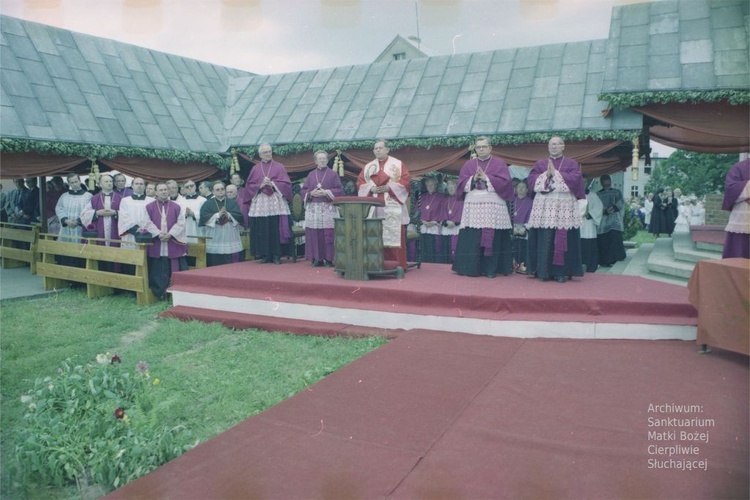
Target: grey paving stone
142,111
99,106
386,89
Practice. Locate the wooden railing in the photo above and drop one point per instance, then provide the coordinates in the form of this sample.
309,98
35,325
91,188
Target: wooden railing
14,240
197,250
99,282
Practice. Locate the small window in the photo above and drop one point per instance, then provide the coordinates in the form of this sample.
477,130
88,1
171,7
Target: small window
634,191
399,56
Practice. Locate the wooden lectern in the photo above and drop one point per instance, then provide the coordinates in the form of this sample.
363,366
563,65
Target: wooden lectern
358,240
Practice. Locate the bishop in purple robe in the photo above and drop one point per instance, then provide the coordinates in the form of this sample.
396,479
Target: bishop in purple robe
521,212
453,209
555,219
270,192
737,202
431,214
166,223
320,188
484,245
102,212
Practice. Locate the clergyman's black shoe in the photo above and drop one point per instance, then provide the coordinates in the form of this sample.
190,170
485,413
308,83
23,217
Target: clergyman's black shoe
265,260
276,259
560,279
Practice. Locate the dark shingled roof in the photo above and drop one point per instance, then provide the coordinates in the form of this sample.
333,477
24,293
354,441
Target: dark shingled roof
678,45
63,86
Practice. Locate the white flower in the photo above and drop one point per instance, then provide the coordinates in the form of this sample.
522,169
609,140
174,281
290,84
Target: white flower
26,399
102,359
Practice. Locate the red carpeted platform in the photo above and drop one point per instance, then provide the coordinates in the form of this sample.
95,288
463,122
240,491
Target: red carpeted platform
434,414
300,298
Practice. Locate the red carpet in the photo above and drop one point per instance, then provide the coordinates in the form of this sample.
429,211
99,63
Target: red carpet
434,414
434,290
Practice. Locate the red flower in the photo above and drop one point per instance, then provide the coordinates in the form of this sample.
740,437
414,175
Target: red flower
115,359
119,413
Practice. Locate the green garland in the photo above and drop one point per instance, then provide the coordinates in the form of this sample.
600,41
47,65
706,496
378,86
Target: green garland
630,99
10,145
453,141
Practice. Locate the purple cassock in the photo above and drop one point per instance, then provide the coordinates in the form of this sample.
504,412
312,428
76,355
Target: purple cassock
274,171
175,249
497,172
319,213
737,241
277,173
243,200
453,209
97,203
569,170
522,210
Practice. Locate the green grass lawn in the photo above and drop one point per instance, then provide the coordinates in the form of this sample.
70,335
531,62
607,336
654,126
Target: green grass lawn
643,237
211,377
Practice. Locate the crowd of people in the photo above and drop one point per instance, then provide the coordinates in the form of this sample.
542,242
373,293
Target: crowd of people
483,223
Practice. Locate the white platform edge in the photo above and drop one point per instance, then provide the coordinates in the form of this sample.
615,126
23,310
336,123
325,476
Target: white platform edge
407,321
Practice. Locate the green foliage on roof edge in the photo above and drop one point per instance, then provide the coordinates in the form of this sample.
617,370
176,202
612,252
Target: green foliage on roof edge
11,145
452,141
630,99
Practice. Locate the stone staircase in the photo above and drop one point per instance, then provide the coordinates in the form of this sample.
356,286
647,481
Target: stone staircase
670,260
676,257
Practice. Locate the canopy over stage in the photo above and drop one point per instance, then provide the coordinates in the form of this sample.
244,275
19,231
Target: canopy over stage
302,299
440,415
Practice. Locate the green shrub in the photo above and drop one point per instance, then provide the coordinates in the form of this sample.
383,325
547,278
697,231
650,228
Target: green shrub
94,422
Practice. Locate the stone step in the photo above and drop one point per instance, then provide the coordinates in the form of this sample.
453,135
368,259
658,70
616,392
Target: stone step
684,249
638,266
709,247
661,260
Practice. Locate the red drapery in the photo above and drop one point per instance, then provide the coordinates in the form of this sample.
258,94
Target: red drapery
707,127
18,165
596,158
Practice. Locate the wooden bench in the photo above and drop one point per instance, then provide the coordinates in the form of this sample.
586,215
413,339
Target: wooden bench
98,282
13,239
